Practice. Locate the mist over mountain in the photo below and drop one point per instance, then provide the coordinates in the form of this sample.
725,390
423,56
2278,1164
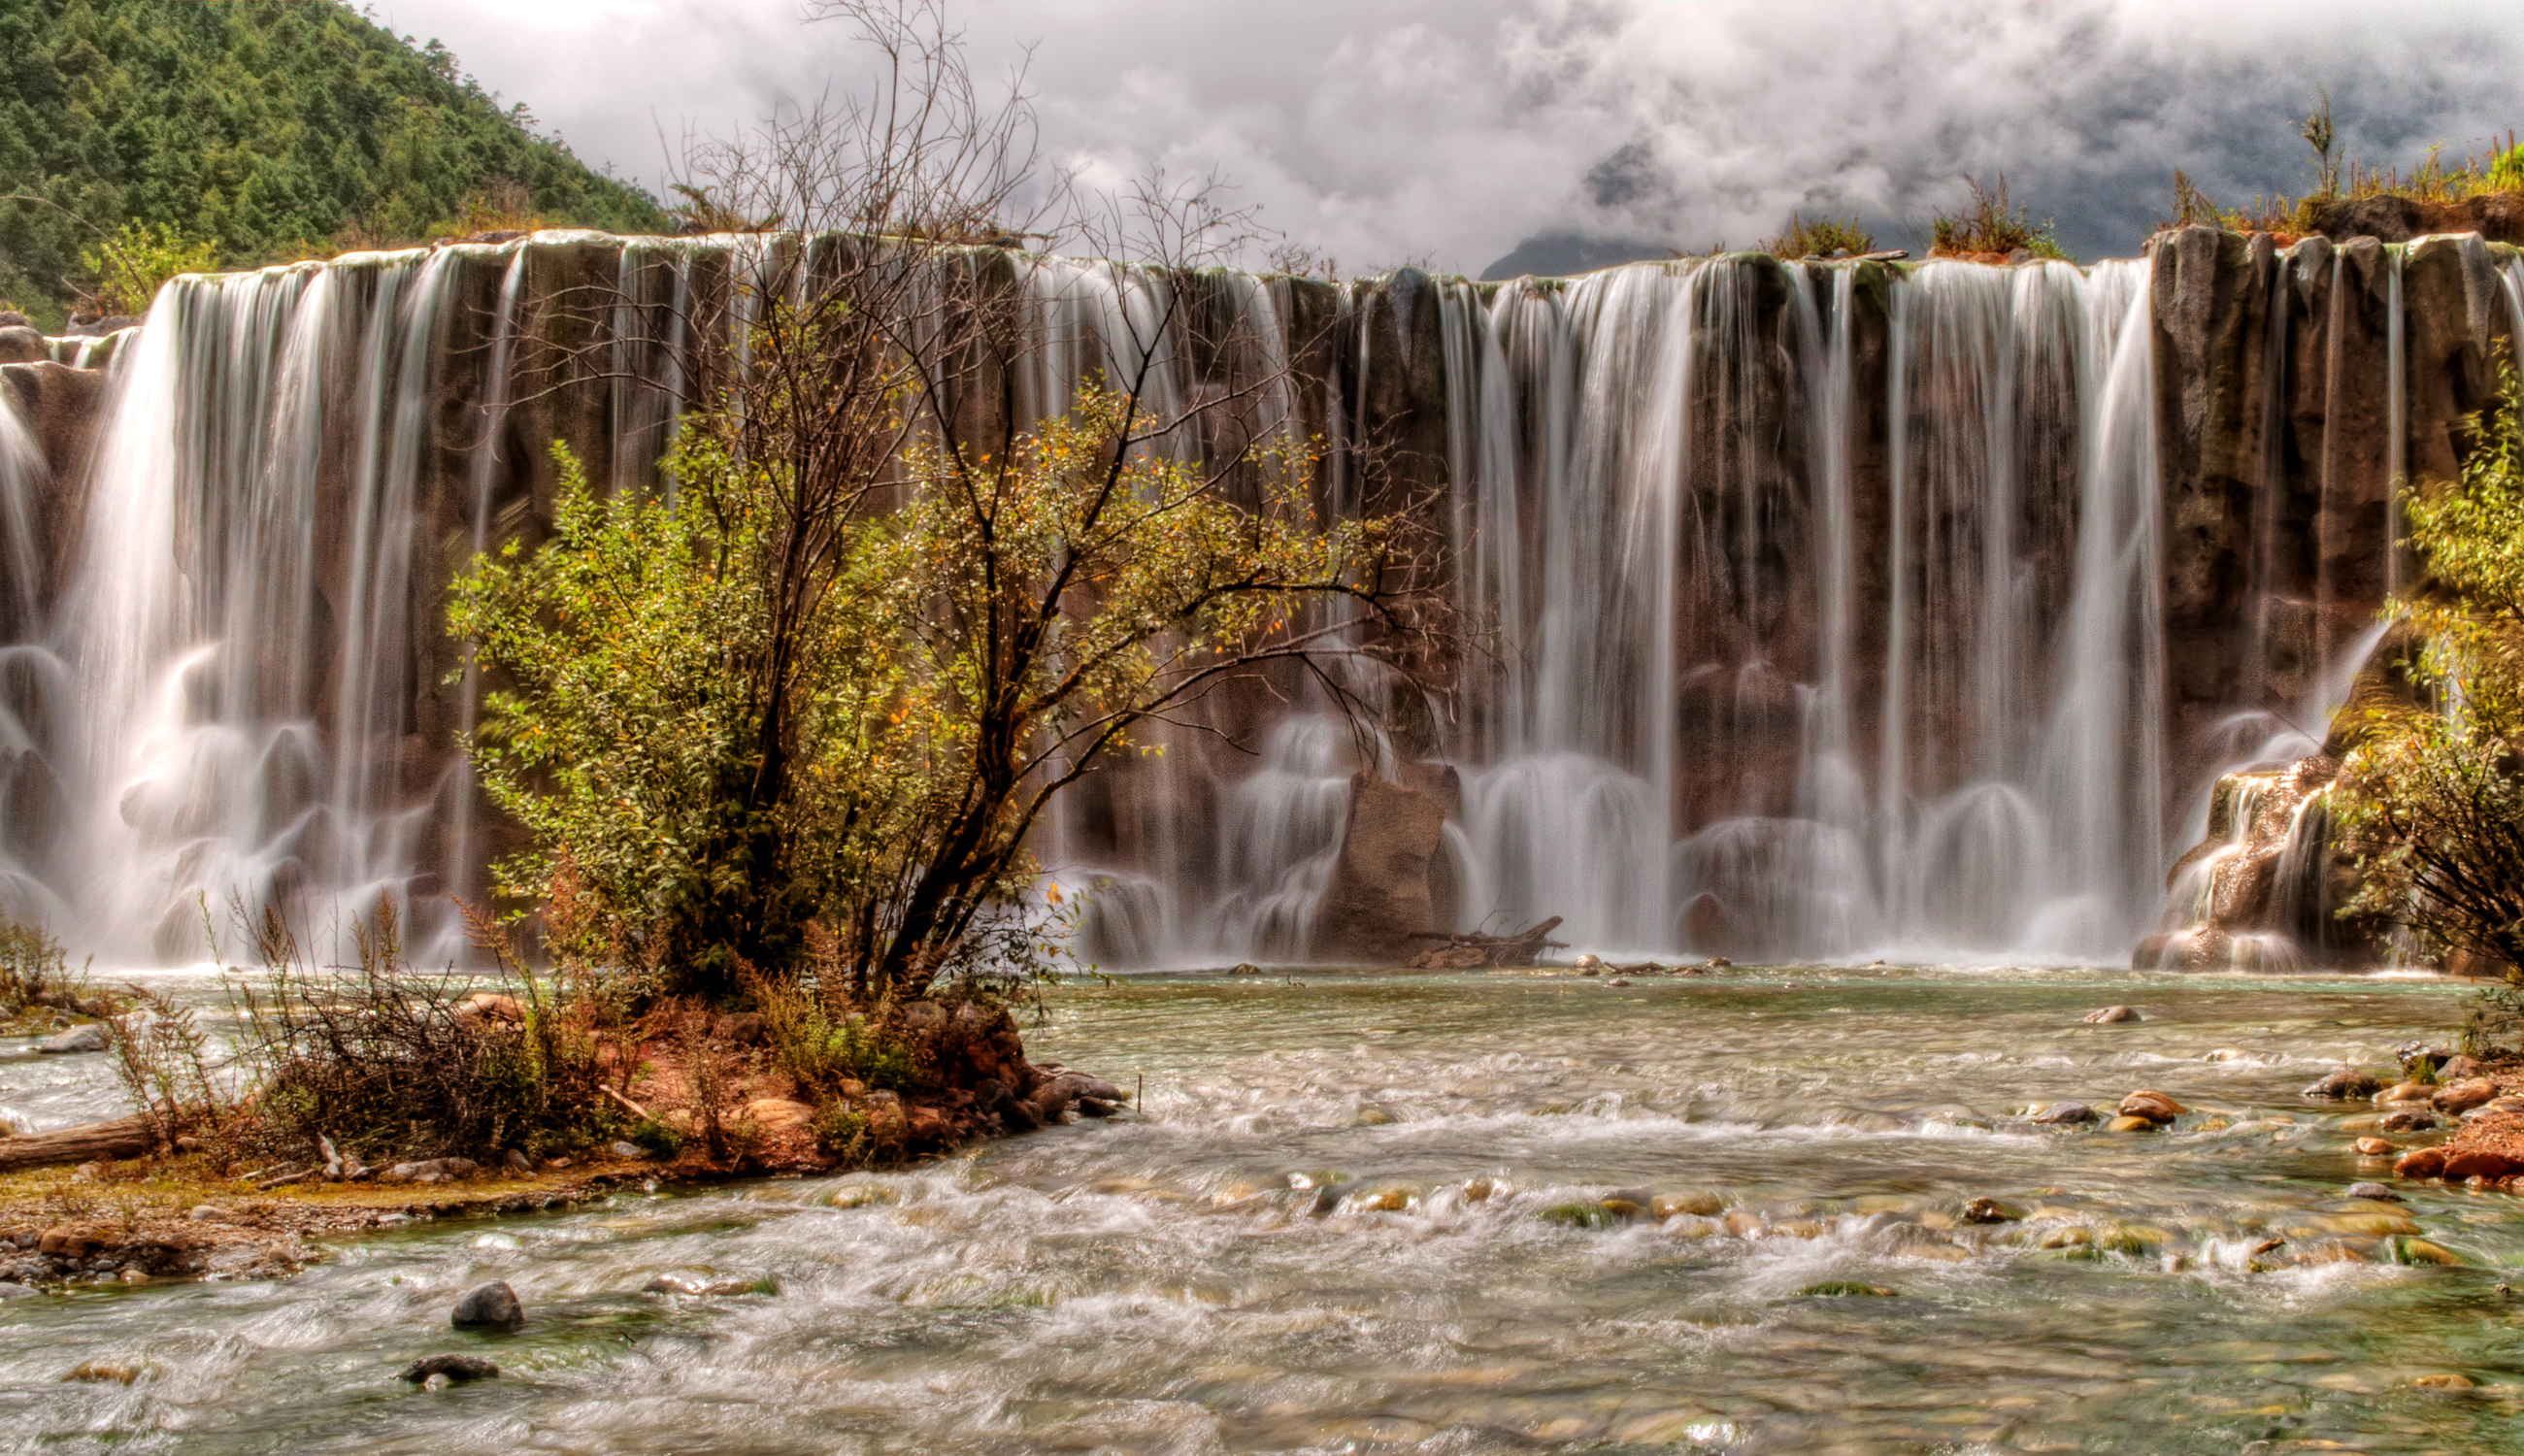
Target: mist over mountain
1450,134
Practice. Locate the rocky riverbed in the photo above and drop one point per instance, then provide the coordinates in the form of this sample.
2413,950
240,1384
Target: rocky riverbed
1757,1210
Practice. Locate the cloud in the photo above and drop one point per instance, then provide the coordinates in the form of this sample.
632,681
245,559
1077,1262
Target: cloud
1446,131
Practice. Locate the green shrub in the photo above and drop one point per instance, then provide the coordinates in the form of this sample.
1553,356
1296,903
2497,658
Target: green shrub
137,261
655,1138
1820,238
1992,224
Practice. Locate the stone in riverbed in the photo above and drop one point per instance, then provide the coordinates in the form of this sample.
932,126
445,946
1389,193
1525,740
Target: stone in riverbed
452,1367
2445,1380
2126,1122
1991,1211
2345,1084
2110,1015
2405,1092
1696,1203
2065,1114
2424,1162
2154,1106
493,1306
78,1039
2407,1120
2380,1192
2462,1097
2377,1148
2468,1163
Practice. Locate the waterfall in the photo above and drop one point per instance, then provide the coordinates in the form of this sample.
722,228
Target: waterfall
1807,610
1659,517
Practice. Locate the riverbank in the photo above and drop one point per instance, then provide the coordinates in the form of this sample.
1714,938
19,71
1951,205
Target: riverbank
131,1222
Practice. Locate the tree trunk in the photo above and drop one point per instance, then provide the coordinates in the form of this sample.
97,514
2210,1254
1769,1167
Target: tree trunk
125,1137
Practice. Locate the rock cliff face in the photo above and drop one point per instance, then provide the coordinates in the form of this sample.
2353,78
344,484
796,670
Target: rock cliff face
1807,606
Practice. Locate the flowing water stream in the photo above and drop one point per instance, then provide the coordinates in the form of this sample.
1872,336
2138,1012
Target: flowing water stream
1164,1283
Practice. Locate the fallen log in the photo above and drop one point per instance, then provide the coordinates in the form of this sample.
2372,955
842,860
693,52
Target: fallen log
1522,949
124,1137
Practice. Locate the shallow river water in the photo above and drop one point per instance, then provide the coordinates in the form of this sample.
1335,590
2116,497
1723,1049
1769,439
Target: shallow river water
1183,1282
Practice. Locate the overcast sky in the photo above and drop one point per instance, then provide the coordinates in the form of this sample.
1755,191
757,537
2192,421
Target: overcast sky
1444,132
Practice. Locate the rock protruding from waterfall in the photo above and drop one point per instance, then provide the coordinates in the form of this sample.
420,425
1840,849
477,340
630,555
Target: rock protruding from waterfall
1381,897
2262,891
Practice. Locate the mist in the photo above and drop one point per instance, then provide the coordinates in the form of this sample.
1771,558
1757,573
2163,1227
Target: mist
1453,135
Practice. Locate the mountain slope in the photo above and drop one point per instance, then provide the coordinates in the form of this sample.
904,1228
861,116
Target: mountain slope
263,126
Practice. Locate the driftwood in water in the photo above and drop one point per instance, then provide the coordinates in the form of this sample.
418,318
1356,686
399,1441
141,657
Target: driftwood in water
124,1137
1463,951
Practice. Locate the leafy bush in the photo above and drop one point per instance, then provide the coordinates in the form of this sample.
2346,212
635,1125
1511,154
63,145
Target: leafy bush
137,261
1992,224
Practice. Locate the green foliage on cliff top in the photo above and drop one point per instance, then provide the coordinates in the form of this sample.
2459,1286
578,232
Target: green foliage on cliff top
260,127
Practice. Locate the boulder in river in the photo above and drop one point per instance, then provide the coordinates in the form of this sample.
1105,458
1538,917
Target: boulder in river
2407,1120
1991,1211
493,1306
2110,1016
452,1367
2405,1092
89,1037
2380,1192
2154,1106
2345,1084
2065,1114
2377,1148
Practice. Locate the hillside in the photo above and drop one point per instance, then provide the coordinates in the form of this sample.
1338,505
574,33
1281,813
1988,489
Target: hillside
262,128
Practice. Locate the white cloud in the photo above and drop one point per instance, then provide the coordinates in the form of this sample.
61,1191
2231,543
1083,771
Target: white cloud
1450,129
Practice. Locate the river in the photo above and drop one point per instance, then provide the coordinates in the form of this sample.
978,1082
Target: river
1181,1281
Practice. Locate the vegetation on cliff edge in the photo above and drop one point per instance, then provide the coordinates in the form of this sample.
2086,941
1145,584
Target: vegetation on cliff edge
2431,796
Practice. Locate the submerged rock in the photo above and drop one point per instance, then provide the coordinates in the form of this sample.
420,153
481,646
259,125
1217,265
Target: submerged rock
1693,1202
2345,1084
2377,1148
2110,1016
2408,1120
452,1367
2130,1123
2380,1192
1991,1211
493,1306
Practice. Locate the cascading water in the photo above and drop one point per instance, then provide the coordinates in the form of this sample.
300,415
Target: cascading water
1698,620
1810,608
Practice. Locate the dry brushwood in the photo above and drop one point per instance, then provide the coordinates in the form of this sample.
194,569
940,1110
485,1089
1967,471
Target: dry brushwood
1466,950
